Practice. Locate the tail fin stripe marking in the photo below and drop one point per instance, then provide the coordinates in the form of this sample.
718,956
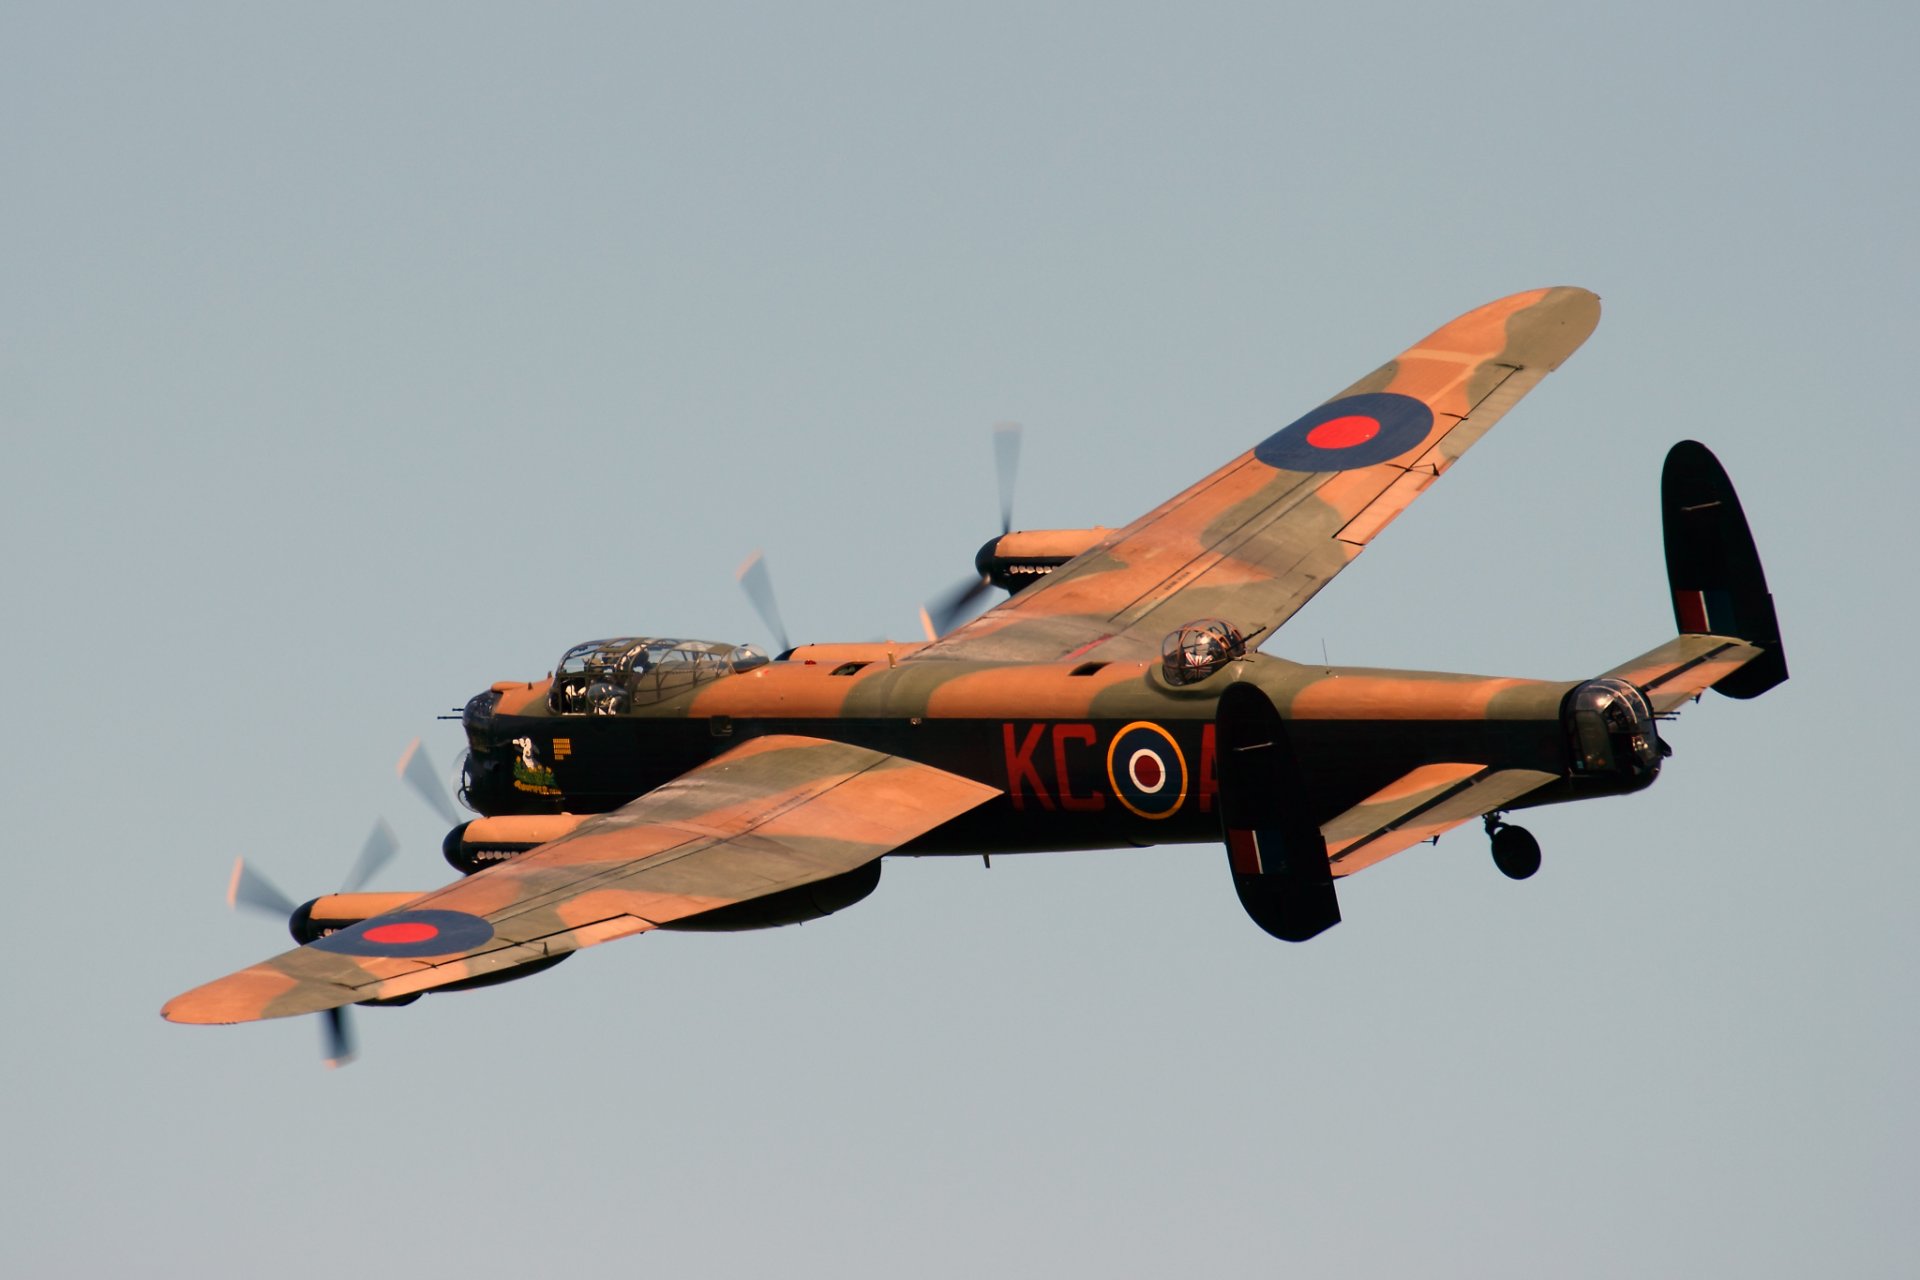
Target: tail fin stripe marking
1243,852
1692,608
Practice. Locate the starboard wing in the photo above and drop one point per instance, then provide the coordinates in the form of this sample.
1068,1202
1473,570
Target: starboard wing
773,813
1255,540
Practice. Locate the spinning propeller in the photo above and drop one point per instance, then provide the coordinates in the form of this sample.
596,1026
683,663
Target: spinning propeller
758,584
249,888
417,772
948,609
939,615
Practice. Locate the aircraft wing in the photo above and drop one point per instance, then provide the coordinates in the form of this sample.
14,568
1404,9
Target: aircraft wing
771,814
1419,806
1685,667
1255,540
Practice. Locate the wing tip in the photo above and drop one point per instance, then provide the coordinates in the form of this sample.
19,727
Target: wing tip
1545,326
252,995
187,1011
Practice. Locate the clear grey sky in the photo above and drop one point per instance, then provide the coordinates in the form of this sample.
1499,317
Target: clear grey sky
353,357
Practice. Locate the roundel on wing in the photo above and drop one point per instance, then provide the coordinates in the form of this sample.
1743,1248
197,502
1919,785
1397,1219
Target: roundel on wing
410,934
1146,770
1353,431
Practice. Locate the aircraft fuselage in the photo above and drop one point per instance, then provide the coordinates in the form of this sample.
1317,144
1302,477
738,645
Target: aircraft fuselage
1086,755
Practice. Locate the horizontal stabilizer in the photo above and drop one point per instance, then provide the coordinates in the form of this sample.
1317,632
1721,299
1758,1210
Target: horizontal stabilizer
1714,570
1685,667
1419,805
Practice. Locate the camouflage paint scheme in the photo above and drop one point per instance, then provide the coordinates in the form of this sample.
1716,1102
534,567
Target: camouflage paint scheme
769,815
1046,723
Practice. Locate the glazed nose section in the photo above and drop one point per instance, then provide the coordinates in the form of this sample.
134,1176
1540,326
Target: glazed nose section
477,778
477,718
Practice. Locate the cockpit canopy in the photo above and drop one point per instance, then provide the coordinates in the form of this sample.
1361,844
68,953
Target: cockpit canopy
612,677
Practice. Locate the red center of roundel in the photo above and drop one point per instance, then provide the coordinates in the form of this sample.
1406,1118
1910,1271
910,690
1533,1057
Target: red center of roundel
1147,771
1344,433
403,932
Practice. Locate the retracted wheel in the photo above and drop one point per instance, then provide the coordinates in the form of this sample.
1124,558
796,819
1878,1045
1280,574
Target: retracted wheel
1515,851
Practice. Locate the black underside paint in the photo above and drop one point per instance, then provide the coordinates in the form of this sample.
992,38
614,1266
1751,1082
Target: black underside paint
1276,853
1058,792
1713,567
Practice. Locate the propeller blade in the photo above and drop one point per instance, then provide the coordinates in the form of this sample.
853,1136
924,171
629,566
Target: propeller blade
417,772
248,888
336,1033
1006,460
380,847
758,584
951,607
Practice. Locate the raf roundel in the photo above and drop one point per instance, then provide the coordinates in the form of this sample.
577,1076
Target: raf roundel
403,935
1146,770
1353,431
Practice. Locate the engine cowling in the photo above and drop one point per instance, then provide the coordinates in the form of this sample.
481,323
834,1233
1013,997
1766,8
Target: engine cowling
485,842
333,912
1017,560
789,906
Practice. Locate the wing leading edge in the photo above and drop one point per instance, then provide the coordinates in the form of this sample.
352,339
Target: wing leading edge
773,813
1255,540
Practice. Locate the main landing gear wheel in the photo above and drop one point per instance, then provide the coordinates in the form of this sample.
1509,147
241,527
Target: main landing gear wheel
1515,851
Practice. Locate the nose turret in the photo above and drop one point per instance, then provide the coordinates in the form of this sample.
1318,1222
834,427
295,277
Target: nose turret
481,778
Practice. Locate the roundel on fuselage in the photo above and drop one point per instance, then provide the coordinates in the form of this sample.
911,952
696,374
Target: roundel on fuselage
1146,770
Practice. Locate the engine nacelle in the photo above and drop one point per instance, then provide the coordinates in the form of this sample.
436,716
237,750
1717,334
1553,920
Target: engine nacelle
1017,560
789,906
848,658
336,911
484,842
497,977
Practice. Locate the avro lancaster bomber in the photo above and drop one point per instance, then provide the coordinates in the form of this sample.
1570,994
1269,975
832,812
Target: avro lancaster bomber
1114,698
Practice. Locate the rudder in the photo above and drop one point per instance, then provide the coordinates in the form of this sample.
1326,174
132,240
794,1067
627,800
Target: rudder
1274,848
1714,569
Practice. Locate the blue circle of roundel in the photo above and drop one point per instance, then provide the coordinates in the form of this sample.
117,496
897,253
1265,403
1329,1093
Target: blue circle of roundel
1146,770
1359,431
404,935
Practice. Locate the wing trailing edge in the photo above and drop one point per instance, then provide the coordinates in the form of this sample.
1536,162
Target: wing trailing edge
1253,541
771,815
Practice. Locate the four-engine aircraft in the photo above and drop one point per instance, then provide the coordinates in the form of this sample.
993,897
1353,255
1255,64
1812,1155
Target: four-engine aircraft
1114,698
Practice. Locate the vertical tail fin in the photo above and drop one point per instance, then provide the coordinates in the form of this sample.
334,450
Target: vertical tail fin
1714,569
1276,853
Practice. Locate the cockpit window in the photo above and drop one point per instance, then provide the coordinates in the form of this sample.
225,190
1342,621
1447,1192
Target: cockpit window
612,677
